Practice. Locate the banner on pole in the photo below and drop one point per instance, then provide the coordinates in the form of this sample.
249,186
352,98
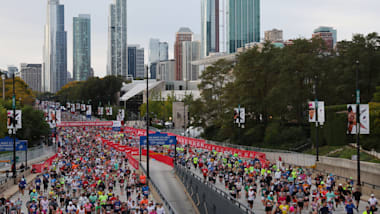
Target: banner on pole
321,112
364,119
11,118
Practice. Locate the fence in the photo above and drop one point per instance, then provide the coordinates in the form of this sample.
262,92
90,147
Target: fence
32,153
168,205
207,197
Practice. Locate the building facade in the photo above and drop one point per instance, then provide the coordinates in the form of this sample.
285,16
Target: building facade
327,34
136,62
165,70
191,51
54,67
117,59
81,47
242,22
274,35
31,74
184,34
210,27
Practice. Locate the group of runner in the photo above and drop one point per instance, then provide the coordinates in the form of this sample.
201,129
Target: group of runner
87,177
280,189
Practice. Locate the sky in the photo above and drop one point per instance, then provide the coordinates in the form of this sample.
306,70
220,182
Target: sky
22,23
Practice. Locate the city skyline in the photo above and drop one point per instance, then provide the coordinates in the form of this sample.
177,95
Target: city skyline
347,18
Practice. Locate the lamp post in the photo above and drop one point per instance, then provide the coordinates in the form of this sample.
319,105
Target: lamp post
316,118
3,77
14,131
358,121
147,123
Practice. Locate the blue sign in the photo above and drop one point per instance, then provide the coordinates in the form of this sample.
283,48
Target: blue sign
6,144
159,139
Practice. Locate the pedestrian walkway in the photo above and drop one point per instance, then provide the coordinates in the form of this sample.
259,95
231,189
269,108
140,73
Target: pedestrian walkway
163,176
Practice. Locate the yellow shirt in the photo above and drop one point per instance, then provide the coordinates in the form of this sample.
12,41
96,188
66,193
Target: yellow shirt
284,208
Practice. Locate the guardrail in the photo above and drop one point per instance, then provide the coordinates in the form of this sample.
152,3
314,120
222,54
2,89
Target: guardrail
162,196
373,186
221,192
4,180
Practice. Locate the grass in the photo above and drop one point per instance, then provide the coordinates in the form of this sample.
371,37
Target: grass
323,150
347,153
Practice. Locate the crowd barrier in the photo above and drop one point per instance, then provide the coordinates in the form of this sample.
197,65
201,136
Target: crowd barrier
38,168
207,197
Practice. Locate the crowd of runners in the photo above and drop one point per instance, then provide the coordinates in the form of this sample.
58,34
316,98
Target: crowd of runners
87,177
90,177
278,188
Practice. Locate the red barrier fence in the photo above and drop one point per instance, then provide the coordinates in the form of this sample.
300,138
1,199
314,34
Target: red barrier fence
38,168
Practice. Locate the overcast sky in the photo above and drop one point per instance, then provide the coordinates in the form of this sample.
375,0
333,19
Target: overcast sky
22,23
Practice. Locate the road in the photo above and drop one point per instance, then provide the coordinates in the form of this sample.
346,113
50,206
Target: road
163,176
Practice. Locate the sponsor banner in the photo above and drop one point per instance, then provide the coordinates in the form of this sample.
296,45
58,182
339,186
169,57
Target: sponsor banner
364,119
96,123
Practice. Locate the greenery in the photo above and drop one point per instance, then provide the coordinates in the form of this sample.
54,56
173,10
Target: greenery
33,123
274,86
98,91
348,152
159,108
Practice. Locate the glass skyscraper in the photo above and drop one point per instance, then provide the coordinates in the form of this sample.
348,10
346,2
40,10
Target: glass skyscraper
243,23
210,26
81,47
158,51
54,74
136,62
117,62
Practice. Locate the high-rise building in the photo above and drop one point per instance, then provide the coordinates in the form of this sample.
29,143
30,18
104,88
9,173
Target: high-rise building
210,26
158,51
274,35
31,74
184,34
191,51
243,23
117,62
136,62
12,70
54,67
327,34
81,47
165,70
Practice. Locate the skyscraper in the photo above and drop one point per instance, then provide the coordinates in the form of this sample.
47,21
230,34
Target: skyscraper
210,26
54,74
136,62
31,74
243,23
191,51
183,34
327,34
117,64
81,47
158,51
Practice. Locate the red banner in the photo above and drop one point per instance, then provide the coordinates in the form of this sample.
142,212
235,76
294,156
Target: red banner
79,123
38,168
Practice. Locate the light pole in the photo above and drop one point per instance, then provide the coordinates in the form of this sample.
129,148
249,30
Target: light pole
147,122
316,118
14,131
3,77
358,121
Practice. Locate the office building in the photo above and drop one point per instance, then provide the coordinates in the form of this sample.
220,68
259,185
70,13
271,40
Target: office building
184,34
81,47
136,62
158,51
54,67
210,32
12,70
31,74
242,23
274,35
327,34
191,51
117,59
165,70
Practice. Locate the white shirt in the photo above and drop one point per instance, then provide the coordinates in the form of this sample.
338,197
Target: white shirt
372,201
160,210
251,195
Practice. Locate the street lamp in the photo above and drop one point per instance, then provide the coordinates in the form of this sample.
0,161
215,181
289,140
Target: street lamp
147,122
3,77
358,121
